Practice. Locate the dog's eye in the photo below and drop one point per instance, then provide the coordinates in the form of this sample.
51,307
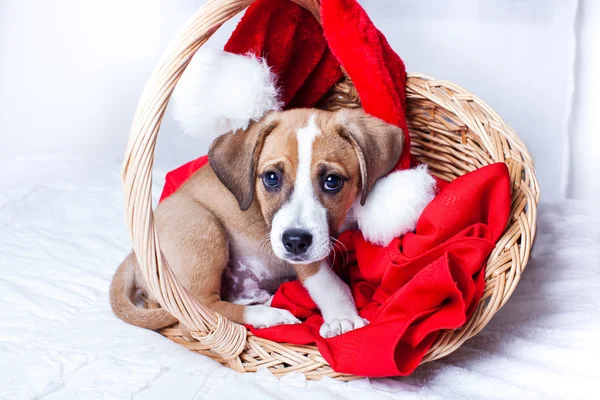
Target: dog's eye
271,180
333,183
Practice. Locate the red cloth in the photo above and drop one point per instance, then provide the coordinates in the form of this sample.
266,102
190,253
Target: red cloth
418,285
177,177
306,57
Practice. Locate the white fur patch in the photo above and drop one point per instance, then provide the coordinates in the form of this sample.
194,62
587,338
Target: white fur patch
264,317
303,210
253,274
246,276
306,137
395,204
221,92
334,299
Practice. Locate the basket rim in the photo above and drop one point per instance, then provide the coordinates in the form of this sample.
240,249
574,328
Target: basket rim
228,342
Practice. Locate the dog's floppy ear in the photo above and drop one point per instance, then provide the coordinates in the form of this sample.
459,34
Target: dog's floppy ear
233,156
378,145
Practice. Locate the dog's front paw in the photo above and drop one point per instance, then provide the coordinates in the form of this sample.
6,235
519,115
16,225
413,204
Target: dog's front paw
264,317
337,326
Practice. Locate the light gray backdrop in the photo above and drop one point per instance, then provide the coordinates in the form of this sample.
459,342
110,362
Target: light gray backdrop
71,73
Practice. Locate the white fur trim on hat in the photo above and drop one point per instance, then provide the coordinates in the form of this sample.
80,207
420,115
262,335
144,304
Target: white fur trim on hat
395,204
221,92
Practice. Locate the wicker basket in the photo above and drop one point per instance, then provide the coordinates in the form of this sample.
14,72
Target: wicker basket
451,130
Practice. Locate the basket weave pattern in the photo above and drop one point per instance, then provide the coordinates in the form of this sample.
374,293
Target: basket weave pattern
451,130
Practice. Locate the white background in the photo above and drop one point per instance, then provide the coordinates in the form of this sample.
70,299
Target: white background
71,73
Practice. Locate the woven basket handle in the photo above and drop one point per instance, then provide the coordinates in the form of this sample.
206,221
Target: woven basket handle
215,332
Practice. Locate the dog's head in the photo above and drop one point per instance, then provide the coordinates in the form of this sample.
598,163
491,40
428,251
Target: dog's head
305,168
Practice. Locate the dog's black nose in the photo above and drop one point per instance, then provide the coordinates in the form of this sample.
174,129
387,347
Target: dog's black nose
296,241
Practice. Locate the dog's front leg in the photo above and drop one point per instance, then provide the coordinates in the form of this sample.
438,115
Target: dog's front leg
332,296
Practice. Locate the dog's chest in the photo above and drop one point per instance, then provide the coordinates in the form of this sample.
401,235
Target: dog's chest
253,273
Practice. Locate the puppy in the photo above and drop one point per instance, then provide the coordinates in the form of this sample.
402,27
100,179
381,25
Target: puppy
267,209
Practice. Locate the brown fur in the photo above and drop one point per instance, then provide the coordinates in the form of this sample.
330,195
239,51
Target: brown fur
378,145
306,271
225,206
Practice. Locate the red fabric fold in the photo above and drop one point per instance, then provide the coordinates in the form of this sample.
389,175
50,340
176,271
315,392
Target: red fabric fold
177,177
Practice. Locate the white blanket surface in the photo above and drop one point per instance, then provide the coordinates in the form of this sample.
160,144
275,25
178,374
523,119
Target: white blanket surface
62,235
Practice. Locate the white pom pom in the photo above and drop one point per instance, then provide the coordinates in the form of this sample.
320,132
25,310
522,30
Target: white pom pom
221,92
395,204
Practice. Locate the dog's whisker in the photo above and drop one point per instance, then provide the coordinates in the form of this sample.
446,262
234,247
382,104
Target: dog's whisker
263,239
336,244
332,250
264,242
342,245
249,225
343,249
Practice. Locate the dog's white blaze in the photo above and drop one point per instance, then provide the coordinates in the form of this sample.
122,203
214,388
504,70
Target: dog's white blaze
303,211
306,138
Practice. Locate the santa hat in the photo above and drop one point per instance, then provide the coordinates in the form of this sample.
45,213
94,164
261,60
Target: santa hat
220,92
279,57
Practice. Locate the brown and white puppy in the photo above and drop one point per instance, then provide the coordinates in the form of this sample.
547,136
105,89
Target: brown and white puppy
265,210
